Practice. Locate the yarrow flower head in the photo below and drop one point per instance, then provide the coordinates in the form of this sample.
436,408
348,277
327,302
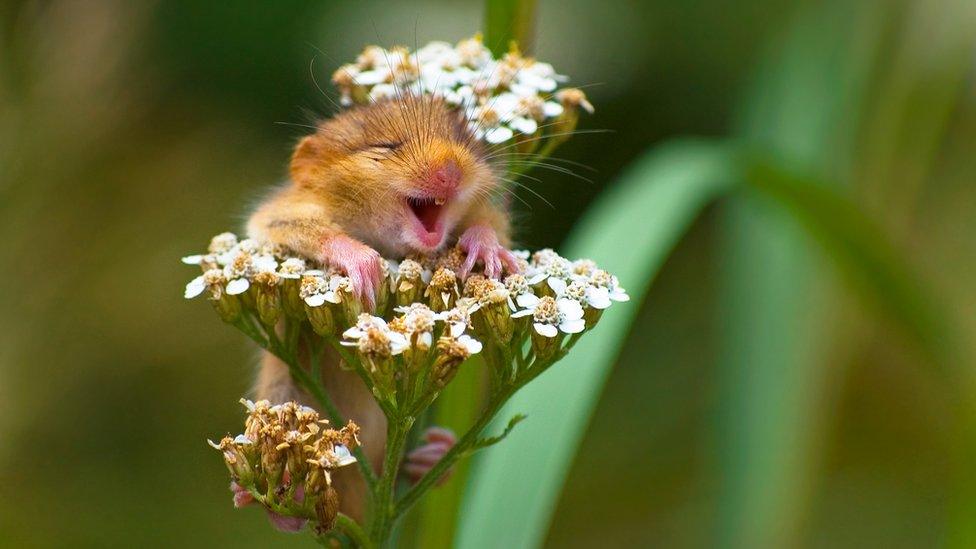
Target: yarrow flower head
426,322
288,445
551,316
374,337
501,98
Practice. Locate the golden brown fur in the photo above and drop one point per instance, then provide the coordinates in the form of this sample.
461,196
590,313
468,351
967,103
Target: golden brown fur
344,179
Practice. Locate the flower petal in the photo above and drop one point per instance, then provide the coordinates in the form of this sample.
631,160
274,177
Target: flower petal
457,328
237,286
497,135
527,126
547,330
315,300
619,295
527,300
598,298
471,344
551,109
569,308
573,326
558,285
195,287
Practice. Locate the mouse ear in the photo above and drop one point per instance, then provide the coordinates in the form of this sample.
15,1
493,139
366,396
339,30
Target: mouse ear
306,166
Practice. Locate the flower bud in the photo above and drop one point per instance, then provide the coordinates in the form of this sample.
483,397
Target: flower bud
409,284
350,306
543,346
383,291
327,508
321,319
495,317
267,298
452,259
546,312
442,293
228,307
235,458
572,100
591,316
290,274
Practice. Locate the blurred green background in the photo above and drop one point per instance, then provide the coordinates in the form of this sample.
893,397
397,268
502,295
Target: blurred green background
760,399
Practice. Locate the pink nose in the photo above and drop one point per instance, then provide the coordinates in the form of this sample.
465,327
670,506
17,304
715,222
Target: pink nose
446,177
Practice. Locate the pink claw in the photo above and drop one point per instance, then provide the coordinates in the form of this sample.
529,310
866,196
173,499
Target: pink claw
422,459
481,244
360,263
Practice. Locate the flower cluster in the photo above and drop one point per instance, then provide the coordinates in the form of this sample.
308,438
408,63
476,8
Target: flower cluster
285,459
423,308
426,322
502,99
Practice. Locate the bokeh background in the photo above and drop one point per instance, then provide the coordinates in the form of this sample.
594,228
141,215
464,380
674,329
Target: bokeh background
131,131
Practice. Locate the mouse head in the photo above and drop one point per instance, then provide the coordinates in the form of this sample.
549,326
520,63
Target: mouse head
404,170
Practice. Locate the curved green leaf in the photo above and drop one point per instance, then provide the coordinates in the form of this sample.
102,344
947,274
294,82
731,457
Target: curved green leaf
630,231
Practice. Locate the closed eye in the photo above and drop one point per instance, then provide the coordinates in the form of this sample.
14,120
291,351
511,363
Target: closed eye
388,145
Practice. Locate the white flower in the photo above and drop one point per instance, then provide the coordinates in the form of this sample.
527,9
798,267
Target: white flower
473,52
458,319
518,288
372,335
243,265
603,279
315,290
540,76
383,91
419,320
520,92
408,269
472,345
198,259
292,268
581,291
213,280
242,439
343,455
554,267
551,316
222,243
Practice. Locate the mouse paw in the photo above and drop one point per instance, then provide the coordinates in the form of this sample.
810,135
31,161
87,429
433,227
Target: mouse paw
423,458
480,243
242,497
360,263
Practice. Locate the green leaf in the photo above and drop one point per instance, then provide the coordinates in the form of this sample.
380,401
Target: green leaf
865,255
491,441
630,231
782,336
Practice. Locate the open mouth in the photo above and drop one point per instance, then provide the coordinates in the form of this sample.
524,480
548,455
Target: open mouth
427,211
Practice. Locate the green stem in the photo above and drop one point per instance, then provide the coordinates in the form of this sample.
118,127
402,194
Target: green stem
312,386
351,528
507,21
384,510
457,451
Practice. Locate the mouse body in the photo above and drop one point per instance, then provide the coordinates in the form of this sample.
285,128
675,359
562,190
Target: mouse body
400,176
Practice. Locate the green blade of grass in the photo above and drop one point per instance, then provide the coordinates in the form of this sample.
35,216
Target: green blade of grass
456,409
807,110
630,231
